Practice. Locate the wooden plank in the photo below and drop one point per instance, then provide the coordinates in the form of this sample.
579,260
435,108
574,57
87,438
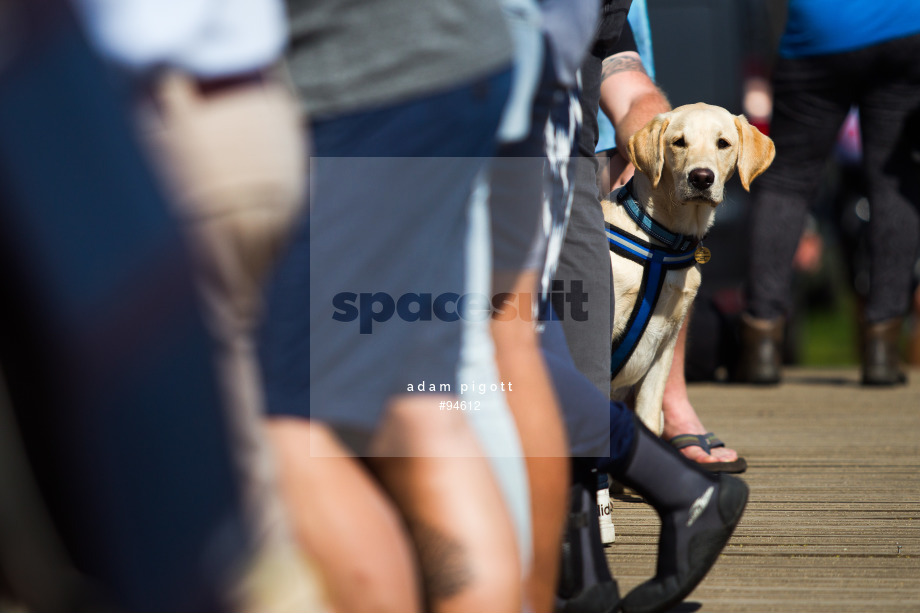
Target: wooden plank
833,523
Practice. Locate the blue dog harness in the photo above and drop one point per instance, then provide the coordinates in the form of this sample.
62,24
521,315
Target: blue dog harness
679,253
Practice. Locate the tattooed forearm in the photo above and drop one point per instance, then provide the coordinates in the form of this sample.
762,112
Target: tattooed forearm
620,63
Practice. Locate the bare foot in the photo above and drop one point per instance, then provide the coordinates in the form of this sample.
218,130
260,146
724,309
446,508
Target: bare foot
680,419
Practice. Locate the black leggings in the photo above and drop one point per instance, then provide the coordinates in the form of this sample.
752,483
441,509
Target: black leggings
812,97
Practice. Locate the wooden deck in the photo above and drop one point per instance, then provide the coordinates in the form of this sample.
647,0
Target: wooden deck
833,522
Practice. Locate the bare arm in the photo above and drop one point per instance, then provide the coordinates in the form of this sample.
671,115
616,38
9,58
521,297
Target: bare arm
629,97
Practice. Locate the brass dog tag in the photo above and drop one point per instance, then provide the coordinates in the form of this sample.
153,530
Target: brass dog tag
702,254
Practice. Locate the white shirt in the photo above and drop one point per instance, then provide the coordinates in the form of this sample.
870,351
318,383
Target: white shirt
207,38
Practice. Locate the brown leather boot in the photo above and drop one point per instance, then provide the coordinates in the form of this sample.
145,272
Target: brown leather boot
761,357
880,361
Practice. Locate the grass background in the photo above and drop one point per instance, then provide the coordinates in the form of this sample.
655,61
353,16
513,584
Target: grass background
827,313
829,334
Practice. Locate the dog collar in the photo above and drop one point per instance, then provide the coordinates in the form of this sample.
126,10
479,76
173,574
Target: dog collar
672,240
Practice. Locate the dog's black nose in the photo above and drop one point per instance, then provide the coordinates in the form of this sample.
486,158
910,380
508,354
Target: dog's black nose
701,178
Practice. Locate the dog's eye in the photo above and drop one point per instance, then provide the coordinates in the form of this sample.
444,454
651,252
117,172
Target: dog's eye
723,144
680,142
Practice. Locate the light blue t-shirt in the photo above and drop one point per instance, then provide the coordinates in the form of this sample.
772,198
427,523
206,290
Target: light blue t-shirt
638,21
817,27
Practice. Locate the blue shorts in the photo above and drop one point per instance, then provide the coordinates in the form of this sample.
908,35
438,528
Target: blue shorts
369,298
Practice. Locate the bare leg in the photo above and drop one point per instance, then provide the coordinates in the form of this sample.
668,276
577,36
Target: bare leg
431,465
537,415
679,415
343,519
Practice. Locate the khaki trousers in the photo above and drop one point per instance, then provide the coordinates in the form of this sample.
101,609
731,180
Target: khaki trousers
235,162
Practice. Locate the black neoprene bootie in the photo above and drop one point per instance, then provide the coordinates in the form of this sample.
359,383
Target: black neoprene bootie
698,510
585,583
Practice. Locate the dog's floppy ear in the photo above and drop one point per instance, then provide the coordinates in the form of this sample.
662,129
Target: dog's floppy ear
646,148
755,153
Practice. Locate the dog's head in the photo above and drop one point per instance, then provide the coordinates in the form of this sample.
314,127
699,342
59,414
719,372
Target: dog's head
694,149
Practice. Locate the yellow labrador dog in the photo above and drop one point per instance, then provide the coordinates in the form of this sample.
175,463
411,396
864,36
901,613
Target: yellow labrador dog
654,227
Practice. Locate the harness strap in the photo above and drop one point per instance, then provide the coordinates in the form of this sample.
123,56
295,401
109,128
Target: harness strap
656,262
622,349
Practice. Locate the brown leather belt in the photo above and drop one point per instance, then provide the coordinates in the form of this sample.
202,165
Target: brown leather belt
211,87
149,92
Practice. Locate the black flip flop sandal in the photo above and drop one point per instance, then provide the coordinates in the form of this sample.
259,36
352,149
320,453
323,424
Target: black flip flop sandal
708,442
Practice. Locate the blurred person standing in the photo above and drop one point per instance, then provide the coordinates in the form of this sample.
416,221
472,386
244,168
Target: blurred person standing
386,482
104,354
515,231
225,131
601,434
833,56
615,441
